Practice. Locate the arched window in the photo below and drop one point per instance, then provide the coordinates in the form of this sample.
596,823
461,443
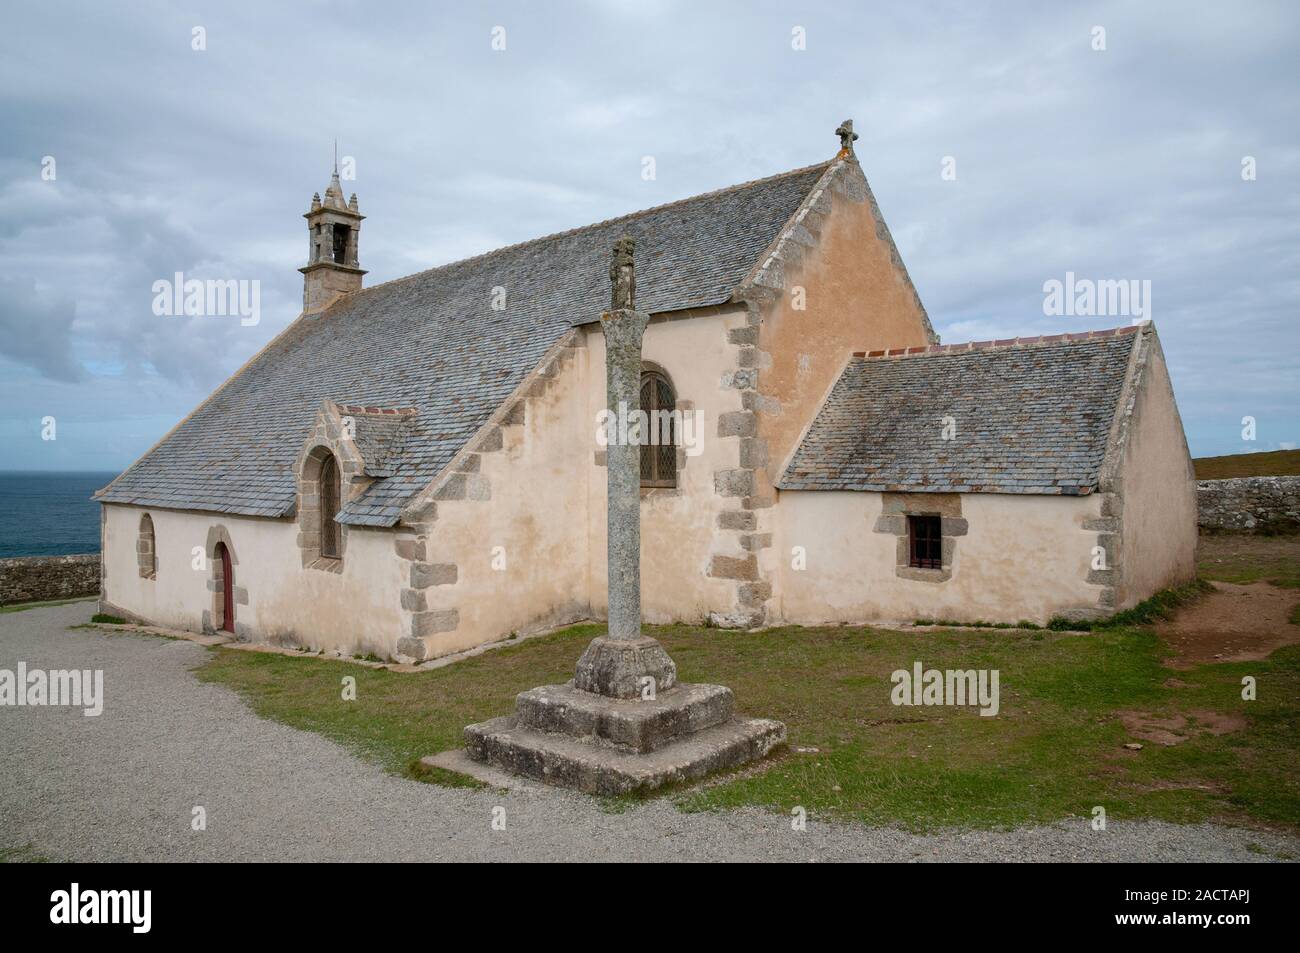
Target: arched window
329,506
659,445
145,552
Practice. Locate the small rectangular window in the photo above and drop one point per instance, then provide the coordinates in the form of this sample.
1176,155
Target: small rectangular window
925,541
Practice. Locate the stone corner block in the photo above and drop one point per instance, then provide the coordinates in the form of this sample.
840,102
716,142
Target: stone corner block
433,622
737,423
410,548
453,488
424,575
412,647
744,520
489,442
733,482
734,567
752,595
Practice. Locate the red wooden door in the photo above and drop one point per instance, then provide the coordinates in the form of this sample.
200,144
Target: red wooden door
227,589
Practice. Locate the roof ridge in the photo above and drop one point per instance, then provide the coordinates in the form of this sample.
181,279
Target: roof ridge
373,410
582,228
1005,343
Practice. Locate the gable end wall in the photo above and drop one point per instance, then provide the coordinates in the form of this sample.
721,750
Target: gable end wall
495,545
833,283
1149,485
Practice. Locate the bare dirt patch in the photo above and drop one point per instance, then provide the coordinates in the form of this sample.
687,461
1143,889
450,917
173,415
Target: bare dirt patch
1232,624
1173,729
1153,728
1217,722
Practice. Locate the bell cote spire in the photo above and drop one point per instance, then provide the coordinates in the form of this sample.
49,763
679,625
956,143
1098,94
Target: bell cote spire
333,229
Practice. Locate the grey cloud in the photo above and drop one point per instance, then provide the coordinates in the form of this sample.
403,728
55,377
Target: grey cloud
35,330
1123,163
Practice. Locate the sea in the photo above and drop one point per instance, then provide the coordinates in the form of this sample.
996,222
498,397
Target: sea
49,514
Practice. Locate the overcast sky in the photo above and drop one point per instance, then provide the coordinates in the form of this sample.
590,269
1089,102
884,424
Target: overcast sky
1122,163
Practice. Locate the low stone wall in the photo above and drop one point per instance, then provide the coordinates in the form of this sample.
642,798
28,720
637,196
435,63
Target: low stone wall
1249,504
40,578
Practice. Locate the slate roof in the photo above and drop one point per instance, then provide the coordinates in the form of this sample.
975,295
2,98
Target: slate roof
431,341
1032,416
379,435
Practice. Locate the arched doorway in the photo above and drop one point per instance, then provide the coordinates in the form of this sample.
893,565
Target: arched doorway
226,571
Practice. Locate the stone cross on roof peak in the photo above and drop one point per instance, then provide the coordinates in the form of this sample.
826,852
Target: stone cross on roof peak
847,137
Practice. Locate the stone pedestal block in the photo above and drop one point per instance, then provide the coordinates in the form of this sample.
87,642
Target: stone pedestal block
607,770
633,725
615,667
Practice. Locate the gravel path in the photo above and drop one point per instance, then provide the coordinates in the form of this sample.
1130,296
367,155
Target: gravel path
122,786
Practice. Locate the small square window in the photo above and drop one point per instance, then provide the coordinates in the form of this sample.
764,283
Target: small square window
925,542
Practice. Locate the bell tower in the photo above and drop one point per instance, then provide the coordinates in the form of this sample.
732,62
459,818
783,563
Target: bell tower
333,228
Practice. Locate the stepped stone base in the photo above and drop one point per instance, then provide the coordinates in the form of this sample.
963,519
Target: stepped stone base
634,725
604,769
599,734
563,735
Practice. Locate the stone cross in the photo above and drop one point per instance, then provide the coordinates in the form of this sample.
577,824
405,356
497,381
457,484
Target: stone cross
847,137
622,280
624,723
618,663
623,328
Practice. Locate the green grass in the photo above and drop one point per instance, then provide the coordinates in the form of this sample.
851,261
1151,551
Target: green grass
1270,463
25,854
1055,750
435,775
397,718
1241,559
1158,608
24,606
953,624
